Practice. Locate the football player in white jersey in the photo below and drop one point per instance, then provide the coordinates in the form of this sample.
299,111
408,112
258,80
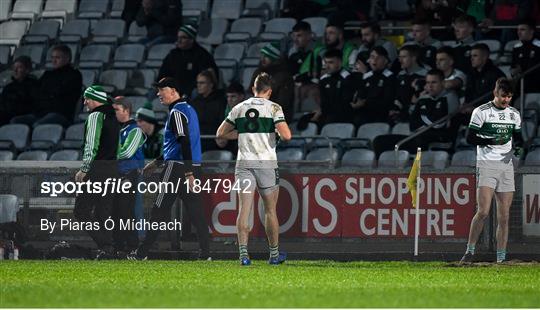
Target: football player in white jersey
257,123
494,126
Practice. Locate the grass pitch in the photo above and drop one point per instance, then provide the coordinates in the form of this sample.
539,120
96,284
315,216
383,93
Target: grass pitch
295,284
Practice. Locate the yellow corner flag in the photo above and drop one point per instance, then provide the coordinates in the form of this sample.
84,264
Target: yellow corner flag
413,175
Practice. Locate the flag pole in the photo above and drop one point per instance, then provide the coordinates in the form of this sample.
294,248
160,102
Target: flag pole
417,217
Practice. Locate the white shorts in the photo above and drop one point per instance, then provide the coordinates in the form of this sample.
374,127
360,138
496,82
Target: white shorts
501,180
266,179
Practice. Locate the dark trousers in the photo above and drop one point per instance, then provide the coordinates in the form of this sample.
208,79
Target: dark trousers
124,209
94,207
161,211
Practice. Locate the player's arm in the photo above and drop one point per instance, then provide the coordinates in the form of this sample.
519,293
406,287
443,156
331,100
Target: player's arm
180,129
284,131
226,131
134,140
94,125
473,138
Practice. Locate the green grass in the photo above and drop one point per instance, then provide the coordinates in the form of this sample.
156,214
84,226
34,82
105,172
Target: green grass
296,284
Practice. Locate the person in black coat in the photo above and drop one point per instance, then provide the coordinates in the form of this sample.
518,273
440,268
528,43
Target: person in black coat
58,92
16,98
210,105
187,60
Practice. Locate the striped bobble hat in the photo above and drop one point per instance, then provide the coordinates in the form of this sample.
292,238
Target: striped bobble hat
96,92
272,51
190,30
146,113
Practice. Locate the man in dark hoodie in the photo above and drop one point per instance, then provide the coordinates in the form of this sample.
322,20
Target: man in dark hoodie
187,60
58,92
481,79
162,19
16,98
282,81
101,135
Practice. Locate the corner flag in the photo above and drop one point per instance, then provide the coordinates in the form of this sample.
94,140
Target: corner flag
413,176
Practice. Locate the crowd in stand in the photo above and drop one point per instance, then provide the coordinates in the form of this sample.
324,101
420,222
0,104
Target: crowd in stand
357,80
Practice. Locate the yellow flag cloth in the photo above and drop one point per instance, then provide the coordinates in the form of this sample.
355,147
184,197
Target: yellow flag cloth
411,181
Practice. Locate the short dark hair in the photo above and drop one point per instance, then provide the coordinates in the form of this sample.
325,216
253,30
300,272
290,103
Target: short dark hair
436,72
464,18
333,53
302,26
446,50
530,22
64,49
376,28
210,75
121,100
482,47
380,51
504,85
235,87
263,82
25,61
412,49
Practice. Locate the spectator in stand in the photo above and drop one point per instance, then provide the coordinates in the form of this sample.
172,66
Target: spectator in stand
410,81
526,54
481,80
302,38
371,37
336,91
437,13
505,13
58,92
187,60
162,18
454,79
374,97
421,30
333,39
210,104
147,121
434,103
129,14
282,81
235,94
16,98
463,30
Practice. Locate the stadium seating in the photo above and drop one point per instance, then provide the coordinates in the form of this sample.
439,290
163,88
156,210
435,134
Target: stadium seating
246,76
140,81
230,9
244,29
117,8
388,159
195,9
228,54
108,31
401,129
65,155
74,137
358,158
5,56
465,158
62,9
14,136
46,136
533,158
291,153
6,155
136,102
277,29
34,51
136,33
335,132
323,156
114,81
75,31
128,56
43,31
156,54
94,56
11,32
5,9
371,130
435,159
253,54
27,9
9,206
262,8
318,25
93,9
211,31
33,155
215,158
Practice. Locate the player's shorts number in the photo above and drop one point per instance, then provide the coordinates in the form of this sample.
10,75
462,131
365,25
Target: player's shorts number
252,124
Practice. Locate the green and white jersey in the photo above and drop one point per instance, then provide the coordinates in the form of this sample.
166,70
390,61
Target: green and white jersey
255,120
493,122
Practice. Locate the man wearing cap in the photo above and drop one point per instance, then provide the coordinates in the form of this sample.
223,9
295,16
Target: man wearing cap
282,81
182,156
101,135
146,120
187,60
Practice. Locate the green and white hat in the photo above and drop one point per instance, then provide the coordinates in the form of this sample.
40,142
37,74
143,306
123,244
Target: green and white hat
146,114
96,92
272,51
190,30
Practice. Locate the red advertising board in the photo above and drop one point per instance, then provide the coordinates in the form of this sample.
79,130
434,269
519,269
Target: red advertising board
355,206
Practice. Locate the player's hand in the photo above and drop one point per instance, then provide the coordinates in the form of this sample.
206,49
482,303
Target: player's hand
500,140
519,152
79,176
190,179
